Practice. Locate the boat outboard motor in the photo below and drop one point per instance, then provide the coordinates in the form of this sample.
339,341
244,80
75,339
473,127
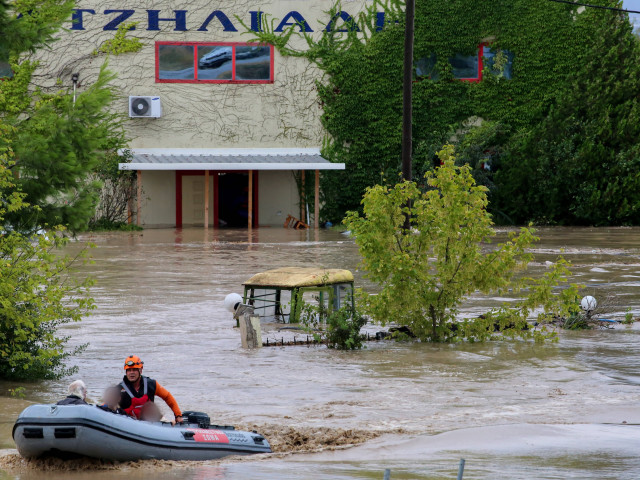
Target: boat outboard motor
199,418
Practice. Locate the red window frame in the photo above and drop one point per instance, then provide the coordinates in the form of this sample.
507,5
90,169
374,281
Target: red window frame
478,78
213,44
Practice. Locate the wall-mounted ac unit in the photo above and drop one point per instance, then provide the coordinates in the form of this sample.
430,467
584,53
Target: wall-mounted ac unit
144,107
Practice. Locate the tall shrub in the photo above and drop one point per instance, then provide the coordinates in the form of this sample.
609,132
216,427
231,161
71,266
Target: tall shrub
424,274
581,163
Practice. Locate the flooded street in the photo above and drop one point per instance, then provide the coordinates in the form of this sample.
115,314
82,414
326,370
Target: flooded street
511,409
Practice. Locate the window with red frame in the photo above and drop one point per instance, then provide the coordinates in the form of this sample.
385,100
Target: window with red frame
469,68
191,62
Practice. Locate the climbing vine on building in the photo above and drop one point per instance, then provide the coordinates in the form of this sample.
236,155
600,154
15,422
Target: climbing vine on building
531,49
120,43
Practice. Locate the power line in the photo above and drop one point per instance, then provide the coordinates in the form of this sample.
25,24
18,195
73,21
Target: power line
595,6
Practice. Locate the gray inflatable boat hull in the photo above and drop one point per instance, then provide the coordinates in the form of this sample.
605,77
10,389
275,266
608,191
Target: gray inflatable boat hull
92,432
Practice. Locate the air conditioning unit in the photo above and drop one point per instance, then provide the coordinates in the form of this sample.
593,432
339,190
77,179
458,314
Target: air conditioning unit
144,107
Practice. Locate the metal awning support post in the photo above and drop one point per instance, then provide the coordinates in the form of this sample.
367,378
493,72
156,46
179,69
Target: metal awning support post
316,207
303,200
139,198
206,199
250,198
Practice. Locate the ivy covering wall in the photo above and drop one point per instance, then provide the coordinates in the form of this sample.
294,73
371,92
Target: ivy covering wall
361,90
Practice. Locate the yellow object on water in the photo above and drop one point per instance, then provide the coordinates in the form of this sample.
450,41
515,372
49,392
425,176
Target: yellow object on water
296,277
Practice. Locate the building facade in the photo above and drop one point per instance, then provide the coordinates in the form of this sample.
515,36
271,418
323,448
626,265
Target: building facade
220,127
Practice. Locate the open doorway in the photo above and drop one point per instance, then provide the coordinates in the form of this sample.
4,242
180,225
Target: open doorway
233,199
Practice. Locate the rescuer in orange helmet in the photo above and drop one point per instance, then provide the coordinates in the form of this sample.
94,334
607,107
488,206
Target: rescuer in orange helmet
138,390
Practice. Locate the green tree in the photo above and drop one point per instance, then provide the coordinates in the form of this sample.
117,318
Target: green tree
581,163
57,142
425,274
37,293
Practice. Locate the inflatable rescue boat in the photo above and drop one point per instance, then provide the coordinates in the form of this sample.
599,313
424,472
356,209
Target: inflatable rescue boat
69,430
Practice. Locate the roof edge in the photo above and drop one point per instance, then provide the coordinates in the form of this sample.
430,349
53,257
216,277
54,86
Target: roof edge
223,151
231,166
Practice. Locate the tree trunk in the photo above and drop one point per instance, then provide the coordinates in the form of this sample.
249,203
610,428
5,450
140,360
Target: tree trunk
434,323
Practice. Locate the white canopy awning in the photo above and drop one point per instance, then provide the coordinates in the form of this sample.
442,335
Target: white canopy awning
228,159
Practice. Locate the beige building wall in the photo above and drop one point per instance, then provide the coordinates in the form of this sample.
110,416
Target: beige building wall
284,113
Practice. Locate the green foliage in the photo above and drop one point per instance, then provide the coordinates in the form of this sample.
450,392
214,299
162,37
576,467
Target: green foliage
42,138
14,92
104,225
343,329
542,303
17,392
37,293
339,329
40,20
581,163
361,90
628,317
120,43
58,145
577,321
57,142
424,274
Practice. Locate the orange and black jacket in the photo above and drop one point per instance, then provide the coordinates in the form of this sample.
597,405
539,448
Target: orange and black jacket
150,388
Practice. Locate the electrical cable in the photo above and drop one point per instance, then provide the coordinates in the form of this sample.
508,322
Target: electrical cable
569,2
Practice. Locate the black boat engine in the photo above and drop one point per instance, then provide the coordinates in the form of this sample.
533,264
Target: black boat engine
199,418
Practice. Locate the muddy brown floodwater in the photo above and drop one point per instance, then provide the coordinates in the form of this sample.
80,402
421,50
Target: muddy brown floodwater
512,409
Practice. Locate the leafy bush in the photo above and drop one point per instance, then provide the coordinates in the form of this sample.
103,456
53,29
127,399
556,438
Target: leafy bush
343,329
104,225
37,295
425,273
339,329
117,194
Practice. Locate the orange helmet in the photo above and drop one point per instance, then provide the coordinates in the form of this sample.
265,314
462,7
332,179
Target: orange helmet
133,361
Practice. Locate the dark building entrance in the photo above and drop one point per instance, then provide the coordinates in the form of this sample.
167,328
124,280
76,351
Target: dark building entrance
233,199
229,199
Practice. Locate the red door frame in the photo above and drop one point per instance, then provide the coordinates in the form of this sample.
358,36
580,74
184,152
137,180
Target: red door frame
214,173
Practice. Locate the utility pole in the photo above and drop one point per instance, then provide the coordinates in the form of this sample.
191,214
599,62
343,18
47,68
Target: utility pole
407,87
407,97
